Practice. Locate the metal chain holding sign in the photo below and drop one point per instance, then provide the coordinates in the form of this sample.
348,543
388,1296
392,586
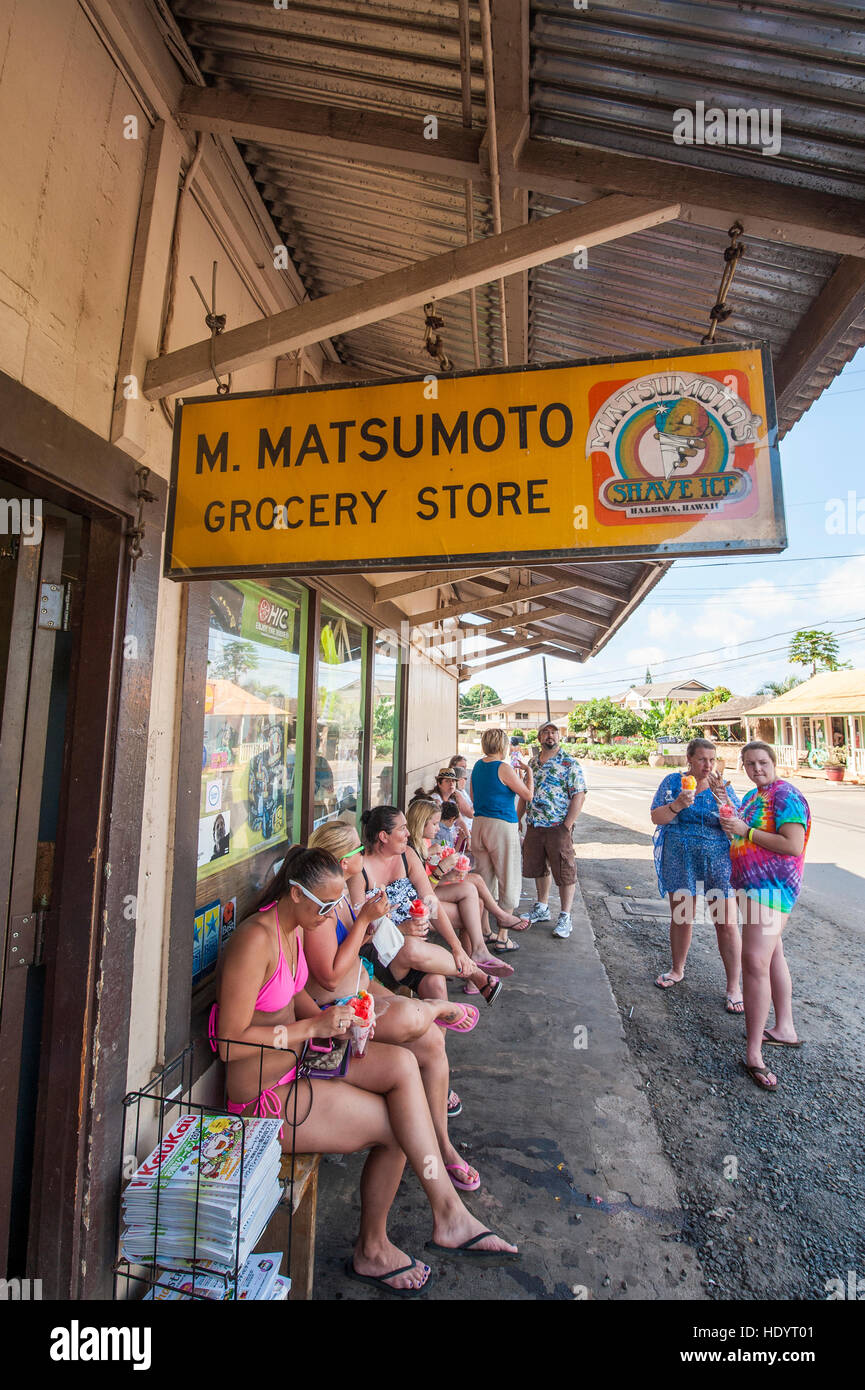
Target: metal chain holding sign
732,255
432,340
216,323
135,535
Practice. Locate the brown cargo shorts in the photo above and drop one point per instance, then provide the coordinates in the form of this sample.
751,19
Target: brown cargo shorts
549,849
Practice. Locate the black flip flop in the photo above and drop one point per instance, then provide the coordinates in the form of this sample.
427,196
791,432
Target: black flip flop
379,1279
466,1249
491,998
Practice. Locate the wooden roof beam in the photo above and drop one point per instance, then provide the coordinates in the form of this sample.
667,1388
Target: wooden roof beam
836,307
407,288
510,43
476,605
708,198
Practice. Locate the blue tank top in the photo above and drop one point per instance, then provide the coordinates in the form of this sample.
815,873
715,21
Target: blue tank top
491,797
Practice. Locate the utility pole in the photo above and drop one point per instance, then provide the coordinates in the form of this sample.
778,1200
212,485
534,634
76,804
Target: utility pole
546,688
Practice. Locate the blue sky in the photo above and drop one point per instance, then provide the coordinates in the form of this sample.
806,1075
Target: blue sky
729,621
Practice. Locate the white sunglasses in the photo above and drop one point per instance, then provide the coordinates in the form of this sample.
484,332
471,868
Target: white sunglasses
323,908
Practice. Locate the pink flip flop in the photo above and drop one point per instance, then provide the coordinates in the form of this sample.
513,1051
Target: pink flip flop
453,1168
496,967
469,1020
470,988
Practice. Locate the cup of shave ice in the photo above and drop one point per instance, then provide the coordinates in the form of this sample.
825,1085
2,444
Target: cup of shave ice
726,812
689,783
462,865
419,913
363,1009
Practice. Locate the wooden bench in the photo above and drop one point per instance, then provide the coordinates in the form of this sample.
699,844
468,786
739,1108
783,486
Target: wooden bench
303,1211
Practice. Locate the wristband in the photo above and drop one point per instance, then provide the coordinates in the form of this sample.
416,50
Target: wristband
751,836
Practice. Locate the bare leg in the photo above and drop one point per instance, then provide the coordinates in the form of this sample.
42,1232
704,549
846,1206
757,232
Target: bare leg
566,896
416,954
760,939
542,889
464,897
725,917
429,1049
681,921
782,996
407,1020
393,1072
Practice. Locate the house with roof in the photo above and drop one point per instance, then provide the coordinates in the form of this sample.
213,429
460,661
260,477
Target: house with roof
517,715
640,698
827,711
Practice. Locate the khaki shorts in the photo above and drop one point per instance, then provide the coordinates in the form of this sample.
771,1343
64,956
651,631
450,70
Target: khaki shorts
549,846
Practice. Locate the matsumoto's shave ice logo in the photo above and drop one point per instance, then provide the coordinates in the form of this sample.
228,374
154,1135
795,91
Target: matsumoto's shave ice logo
672,439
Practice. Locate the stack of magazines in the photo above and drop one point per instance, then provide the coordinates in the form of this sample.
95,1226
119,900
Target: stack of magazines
259,1279
204,1212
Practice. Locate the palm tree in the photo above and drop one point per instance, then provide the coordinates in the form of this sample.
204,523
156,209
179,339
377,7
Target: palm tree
776,688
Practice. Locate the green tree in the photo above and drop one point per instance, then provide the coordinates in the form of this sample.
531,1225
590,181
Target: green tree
477,696
609,720
235,659
382,725
819,650
775,688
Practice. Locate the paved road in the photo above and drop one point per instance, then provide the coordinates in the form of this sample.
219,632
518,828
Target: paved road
835,861
772,1187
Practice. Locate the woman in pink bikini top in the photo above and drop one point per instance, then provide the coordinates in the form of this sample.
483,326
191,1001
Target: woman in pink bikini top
280,1015
264,1009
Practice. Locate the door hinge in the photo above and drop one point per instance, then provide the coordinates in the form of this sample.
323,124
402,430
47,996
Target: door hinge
25,938
54,607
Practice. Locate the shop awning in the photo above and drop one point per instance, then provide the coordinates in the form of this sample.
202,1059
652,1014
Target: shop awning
832,692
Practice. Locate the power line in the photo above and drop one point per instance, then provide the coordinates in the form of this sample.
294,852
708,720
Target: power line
775,560
623,672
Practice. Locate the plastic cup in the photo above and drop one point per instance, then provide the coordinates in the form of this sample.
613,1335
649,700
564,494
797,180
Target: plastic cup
726,812
689,783
462,865
363,1008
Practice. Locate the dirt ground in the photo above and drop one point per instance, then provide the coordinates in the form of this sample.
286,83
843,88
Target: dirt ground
772,1186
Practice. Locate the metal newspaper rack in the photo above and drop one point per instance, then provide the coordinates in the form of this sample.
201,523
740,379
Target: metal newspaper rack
169,1095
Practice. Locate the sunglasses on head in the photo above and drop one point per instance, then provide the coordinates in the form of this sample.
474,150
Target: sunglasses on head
323,908
352,852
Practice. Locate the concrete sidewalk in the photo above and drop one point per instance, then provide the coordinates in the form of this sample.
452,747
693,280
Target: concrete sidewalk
556,1123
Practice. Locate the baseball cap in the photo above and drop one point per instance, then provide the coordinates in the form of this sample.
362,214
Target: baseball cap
550,724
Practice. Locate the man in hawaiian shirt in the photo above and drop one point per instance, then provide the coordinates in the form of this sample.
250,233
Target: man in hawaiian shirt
560,790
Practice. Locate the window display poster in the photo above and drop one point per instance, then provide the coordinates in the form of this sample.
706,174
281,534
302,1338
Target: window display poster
250,725
210,945
197,944
228,922
214,837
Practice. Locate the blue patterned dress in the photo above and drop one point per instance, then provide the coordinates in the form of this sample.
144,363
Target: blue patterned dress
693,848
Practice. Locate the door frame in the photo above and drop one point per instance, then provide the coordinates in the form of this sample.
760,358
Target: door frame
90,938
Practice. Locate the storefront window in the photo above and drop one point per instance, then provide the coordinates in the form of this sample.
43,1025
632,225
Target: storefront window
339,718
385,720
249,803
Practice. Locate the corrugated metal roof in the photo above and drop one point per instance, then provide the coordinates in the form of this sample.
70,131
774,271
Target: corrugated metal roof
610,77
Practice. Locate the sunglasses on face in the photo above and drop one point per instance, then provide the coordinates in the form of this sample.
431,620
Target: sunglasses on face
323,908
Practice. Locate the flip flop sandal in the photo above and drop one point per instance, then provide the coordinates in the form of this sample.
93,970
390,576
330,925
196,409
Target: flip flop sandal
466,1249
496,967
669,983
380,1279
470,988
504,948
495,988
755,1072
769,1041
728,1009
452,1168
468,1022
522,925
455,1105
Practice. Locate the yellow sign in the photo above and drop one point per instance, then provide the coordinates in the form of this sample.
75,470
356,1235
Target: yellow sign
668,455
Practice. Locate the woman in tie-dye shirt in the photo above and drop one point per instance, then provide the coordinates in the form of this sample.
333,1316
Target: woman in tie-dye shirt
768,836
